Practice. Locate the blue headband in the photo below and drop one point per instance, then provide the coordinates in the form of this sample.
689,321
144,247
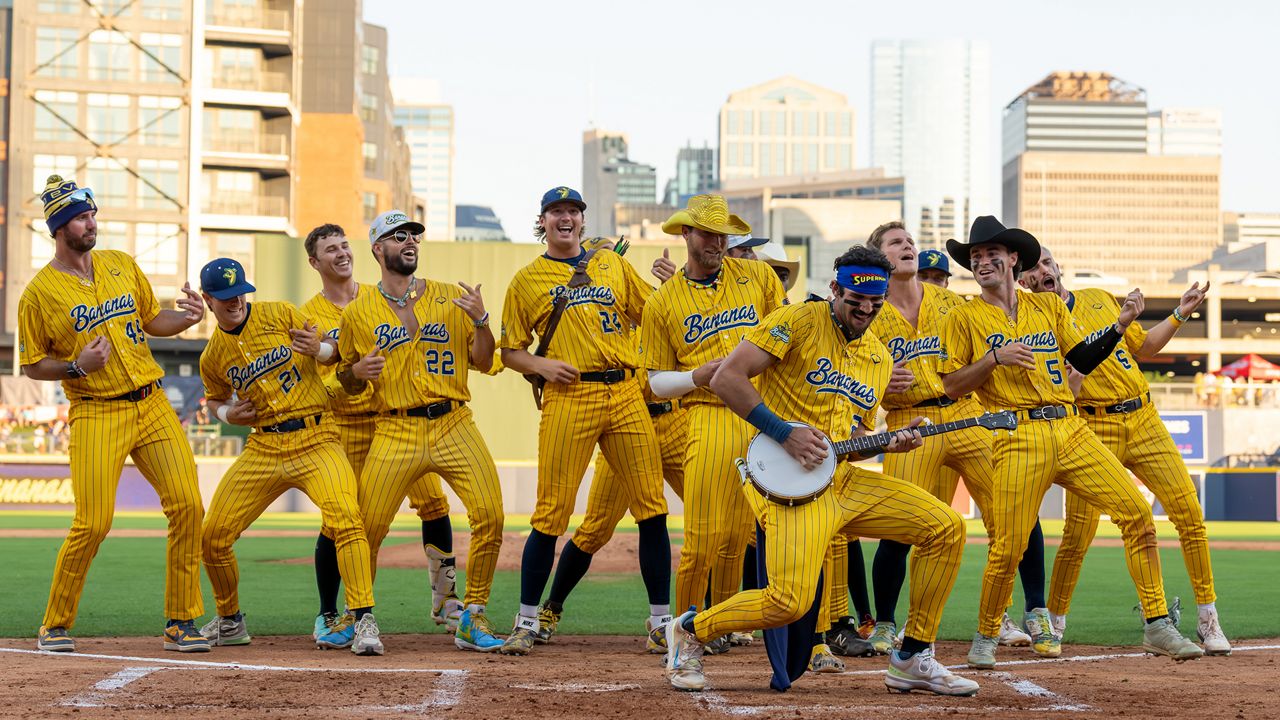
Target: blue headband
863,279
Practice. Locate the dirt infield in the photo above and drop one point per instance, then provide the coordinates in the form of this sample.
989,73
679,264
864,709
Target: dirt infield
601,677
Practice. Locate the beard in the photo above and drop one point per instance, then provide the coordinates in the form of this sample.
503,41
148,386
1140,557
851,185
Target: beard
397,264
84,242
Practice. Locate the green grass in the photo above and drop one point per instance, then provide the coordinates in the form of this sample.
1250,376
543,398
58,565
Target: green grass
124,592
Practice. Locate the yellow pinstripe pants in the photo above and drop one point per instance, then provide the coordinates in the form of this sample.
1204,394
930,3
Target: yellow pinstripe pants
406,448
609,500
1036,455
939,463
1143,445
577,417
311,460
426,496
863,504
103,433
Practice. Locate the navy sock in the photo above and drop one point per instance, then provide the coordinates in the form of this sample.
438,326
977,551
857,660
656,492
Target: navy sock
1031,569
361,612
750,580
888,573
688,624
655,559
911,646
858,581
328,579
573,564
438,532
535,566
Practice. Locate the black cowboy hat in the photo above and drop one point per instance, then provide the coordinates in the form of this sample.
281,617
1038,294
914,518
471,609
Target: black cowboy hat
987,229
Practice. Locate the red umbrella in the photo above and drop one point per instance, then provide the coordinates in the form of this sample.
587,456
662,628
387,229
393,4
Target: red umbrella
1250,367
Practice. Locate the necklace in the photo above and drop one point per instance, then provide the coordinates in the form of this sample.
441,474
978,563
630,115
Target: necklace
85,280
410,292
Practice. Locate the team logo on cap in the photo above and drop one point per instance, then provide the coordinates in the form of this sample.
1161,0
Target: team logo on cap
563,192
230,275
934,258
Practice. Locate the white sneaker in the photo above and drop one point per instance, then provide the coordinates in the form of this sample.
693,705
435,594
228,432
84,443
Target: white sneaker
1211,635
1011,635
1162,638
226,630
368,640
922,672
684,656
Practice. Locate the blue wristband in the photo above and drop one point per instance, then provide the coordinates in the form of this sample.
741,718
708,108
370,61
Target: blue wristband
769,423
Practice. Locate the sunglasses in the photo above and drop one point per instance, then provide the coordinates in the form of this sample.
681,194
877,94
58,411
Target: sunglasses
402,236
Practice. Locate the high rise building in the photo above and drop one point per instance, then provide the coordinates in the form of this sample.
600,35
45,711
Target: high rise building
1076,112
611,178
1240,230
930,125
428,128
478,223
1185,131
785,127
696,174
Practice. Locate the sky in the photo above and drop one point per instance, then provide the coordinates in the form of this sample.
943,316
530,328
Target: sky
527,78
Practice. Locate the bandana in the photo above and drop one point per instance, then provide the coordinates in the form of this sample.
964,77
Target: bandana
863,279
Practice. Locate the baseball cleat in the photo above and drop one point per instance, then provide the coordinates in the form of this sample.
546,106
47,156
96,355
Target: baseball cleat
822,661
339,635
738,639
1162,638
844,639
982,654
548,619
684,659
922,672
368,639
475,633
226,630
656,642
1044,641
867,626
447,612
882,638
1011,635
1211,635
522,637
324,621
55,639
182,636
719,646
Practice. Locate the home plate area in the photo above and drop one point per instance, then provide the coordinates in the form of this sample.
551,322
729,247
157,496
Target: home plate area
602,677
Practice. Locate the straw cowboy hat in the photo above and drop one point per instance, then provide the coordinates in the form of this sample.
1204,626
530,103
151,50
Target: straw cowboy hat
987,229
707,212
776,256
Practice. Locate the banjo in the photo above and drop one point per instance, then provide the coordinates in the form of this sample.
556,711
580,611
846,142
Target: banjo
781,478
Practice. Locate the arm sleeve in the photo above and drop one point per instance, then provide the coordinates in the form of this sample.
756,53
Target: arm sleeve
655,341
1087,356
671,383
957,344
33,342
148,307
215,386
516,334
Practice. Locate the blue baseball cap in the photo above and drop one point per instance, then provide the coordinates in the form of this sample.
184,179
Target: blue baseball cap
224,279
562,194
934,260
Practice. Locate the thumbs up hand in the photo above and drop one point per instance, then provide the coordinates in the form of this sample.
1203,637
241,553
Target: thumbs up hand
370,366
663,268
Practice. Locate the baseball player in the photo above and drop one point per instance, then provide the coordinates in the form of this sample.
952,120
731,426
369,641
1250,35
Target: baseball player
934,268
414,342
1116,401
592,397
259,370
84,319
608,502
816,363
743,247
909,325
330,255
691,323
1012,348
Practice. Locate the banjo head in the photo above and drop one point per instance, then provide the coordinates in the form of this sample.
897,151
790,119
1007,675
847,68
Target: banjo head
780,477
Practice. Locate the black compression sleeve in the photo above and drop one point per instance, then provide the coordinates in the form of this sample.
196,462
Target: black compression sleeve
1087,356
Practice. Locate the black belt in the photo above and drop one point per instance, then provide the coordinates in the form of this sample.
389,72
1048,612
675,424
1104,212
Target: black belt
358,415
292,425
140,394
608,377
941,401
430,412
1048,412
1128,406
660,408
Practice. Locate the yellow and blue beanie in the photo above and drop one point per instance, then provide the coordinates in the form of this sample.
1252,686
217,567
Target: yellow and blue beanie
63,200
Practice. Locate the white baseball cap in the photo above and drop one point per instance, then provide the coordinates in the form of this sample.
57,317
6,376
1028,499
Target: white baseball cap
745,241
390,221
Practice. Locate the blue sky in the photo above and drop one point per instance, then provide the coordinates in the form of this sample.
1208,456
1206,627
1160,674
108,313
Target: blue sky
526,78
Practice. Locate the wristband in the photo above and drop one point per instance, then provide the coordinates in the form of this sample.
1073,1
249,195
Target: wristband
325,352
994,356
1176,321
769,423
1179,316
74,371
482,322
222,414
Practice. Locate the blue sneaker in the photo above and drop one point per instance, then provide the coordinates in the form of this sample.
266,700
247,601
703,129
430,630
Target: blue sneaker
475,633
339,635
324,622
183,636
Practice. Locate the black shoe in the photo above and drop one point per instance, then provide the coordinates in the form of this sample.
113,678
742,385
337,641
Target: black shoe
843,639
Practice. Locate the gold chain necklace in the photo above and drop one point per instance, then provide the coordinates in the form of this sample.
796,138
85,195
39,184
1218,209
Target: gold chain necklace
85,280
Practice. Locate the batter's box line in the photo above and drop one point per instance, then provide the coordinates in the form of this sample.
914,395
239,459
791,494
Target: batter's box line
231,665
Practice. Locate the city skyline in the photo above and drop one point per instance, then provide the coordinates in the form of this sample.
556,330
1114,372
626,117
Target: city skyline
663,100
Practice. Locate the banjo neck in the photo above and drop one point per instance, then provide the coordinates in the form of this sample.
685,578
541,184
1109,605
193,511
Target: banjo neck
867,443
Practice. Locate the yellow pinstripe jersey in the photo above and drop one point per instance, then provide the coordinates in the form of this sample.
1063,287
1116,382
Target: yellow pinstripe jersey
58,316
1044,325
420,370
821,378
328,319
1118,378
257,362
595,331
687,324
920,346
